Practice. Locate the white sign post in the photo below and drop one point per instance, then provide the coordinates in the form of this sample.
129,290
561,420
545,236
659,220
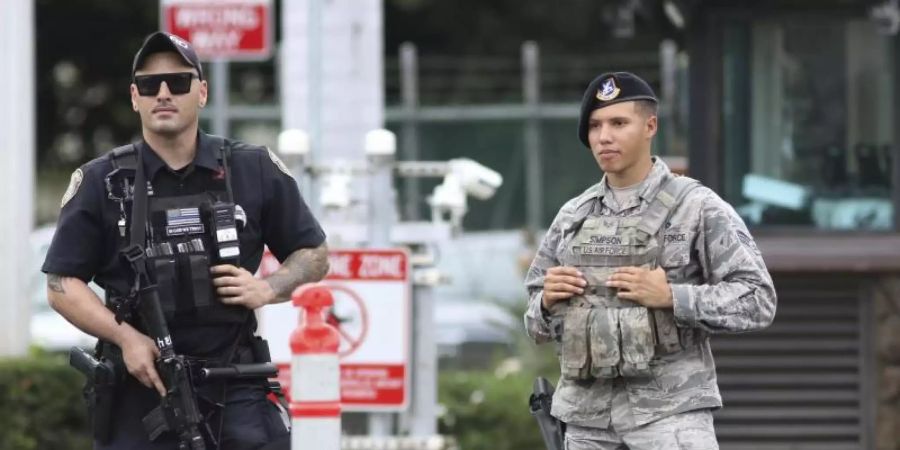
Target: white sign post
17,138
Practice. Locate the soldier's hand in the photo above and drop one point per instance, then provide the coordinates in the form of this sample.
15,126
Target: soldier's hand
140,353
237,286
648,287
561,283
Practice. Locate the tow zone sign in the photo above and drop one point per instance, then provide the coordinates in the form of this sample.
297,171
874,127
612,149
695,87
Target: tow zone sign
221,29
372,312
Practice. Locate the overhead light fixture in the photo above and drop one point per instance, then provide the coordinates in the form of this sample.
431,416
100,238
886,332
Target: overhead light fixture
886,17
673,12
771,191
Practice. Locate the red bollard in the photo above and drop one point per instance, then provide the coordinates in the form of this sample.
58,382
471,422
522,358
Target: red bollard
315,374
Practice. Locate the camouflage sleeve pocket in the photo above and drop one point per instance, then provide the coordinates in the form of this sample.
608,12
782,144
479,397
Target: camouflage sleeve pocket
676,255
676,242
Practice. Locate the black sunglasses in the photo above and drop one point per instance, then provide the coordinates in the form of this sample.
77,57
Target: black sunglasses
178,83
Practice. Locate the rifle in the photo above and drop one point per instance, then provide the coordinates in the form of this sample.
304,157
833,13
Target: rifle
552,430
99,390
177,411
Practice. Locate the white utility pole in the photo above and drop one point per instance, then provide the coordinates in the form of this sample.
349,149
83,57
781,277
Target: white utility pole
17,144
331,77
332,87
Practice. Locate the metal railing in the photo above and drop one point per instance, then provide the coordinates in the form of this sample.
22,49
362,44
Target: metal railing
530,88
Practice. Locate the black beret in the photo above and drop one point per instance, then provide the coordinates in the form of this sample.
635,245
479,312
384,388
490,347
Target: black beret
609,89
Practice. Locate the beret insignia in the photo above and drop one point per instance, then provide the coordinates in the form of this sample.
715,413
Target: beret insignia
608,90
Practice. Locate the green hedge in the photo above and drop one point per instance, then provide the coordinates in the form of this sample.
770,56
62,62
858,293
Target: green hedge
484,411
41,407
488,409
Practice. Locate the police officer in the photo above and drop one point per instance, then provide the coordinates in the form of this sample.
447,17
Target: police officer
200,190
631,279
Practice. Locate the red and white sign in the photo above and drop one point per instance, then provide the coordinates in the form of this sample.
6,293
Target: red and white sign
221,29
372,312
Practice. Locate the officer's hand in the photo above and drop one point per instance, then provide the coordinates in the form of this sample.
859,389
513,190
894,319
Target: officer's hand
561,283
237,286
647,287
140,353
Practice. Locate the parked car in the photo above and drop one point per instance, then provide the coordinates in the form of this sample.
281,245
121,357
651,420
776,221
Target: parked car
49,330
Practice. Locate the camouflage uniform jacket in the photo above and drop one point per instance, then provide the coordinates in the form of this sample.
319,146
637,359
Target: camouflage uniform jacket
720,284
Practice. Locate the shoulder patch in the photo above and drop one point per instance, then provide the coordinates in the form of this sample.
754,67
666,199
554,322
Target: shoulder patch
278,162
747,240
74,184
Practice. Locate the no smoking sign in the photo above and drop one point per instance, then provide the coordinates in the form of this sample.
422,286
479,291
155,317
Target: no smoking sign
350,317
372,313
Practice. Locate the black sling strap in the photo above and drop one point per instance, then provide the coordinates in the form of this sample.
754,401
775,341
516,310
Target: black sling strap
139,207
134,253
246,324
224,156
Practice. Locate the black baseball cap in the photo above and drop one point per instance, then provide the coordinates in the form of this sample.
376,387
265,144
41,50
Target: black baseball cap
609,89
161,41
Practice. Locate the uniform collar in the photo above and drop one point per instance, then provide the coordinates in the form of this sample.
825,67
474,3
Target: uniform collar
658,172
207,155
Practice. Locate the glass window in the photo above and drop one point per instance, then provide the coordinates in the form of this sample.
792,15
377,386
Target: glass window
807,115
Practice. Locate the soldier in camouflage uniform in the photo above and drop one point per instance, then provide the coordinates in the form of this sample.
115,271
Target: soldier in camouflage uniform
631,279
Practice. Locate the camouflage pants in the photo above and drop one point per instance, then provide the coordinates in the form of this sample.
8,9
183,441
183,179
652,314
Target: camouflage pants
692,430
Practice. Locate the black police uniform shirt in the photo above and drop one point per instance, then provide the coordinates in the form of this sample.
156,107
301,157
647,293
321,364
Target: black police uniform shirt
86,244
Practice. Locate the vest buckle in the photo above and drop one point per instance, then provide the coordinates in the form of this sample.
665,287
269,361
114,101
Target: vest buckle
133,253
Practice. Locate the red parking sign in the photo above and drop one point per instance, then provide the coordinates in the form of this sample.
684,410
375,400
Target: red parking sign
221,29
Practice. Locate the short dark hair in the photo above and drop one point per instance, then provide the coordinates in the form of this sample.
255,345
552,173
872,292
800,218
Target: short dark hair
646,108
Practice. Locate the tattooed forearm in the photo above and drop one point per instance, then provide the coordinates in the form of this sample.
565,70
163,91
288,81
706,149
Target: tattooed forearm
54,283
306,265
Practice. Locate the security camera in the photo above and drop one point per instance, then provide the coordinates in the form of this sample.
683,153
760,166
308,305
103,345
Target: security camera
380,142
477,180
293,142
886,17
335,193
449,197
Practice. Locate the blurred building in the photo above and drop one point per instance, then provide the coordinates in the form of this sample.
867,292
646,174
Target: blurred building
793,108
788,110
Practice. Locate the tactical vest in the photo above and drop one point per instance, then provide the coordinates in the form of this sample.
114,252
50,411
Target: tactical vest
600,335
181,245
